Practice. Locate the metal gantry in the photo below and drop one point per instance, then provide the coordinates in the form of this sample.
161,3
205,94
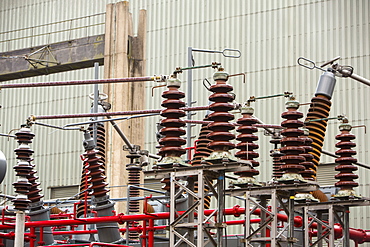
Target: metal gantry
184,223
271,203
332,230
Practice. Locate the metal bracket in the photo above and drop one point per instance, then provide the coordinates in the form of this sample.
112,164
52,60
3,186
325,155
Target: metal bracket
41,58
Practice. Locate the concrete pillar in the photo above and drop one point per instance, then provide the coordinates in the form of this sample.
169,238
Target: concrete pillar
124,56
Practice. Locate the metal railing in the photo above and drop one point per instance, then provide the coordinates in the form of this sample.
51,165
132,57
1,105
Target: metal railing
68,27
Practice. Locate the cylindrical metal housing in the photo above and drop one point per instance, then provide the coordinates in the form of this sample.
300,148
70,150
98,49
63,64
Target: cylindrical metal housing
326,84
108,232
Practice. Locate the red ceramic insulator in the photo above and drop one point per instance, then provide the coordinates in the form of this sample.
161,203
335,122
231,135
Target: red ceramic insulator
246,144
220,127
134,171
292,140
345,161
27,184
201,146
309,172
172,142
97,179
85,180
277,163
201,152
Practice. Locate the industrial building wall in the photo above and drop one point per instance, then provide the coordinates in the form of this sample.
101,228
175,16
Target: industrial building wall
270,35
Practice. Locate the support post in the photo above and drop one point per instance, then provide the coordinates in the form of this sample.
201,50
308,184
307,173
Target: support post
124,56
19,229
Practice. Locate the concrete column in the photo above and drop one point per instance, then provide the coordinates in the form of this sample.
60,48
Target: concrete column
123,57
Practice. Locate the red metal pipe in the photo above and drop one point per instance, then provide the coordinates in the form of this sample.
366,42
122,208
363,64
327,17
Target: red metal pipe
80,82
151,234
119,113
91,245
143,235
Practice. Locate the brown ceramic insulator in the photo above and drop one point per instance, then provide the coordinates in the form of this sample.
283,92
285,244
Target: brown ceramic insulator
201,146
292,141
319,108
100,147
201,152
84,195
100,143
345,161
97,179
34,194
25,169
277,163
171,142
246,144
220,127
308,173
22,186
134,206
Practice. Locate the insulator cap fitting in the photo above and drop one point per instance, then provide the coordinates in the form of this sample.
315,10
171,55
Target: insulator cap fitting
292,104
220,75
173,82
88,143
247,110
345,126
326,84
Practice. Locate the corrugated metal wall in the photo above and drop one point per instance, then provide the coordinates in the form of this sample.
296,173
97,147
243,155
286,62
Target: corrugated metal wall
271,35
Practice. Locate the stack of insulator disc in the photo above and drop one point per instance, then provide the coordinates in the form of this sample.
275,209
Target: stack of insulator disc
171,144
246,144
201,146
345,161
277,163
84,194
100,147
134,172
96,173
276,155
100,143
319,108
220,127
201,152
309,172
26,185
292,143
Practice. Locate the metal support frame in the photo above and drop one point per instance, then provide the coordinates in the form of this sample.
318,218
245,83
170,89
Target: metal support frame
270,200
338,213
267,232
193,220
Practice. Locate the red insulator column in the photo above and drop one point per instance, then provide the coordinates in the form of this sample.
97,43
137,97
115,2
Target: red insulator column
345,162
220,128
276,158
292,143
247,147
201,146
26,186
134,169
171,144
202,152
